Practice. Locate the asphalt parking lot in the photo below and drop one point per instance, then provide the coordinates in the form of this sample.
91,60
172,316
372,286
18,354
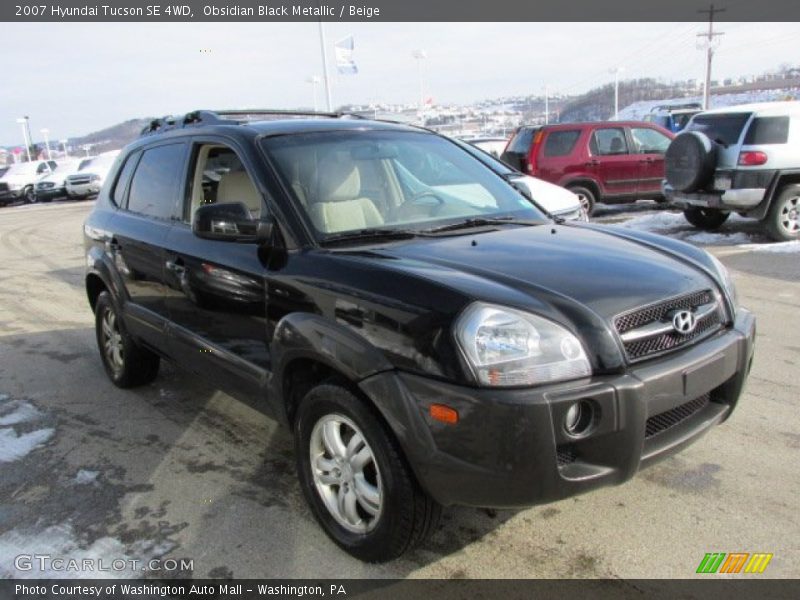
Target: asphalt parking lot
179,470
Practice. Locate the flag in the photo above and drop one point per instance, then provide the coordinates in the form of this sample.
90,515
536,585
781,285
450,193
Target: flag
344,56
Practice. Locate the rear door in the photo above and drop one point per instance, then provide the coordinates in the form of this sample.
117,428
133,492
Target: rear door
650,146
726,130
516,153
612,163
138,233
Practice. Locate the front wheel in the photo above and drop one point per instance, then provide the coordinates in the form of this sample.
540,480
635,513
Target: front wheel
586,198
708,219
29,195
126,363
355,478
783,219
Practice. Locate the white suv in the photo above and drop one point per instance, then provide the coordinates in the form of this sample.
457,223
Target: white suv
18,182
743,159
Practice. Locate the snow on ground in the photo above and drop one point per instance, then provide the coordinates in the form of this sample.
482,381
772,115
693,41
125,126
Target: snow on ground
777,248
13,444
108,555
85,476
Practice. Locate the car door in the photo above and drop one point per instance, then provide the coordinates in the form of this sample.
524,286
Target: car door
650,146
216,289
612,163
139,231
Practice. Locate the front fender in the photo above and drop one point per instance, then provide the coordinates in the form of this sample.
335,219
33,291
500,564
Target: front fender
311,336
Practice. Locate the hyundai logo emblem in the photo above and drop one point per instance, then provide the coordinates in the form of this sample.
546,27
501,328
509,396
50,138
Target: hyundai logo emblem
684,322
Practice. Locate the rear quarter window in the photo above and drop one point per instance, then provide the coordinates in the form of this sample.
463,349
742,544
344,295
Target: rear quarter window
768,130
561,143
521,142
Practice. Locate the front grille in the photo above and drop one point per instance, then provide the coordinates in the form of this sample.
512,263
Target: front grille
669,418
565,454
640,349
82,181
46,185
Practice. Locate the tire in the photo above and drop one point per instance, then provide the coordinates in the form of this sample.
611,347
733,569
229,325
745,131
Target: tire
126,363
29,195
783,218
391,513
708,219
586,197
690,161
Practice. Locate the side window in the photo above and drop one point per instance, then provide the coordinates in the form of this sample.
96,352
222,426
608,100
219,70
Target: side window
649,141
121,185
768,130
608,142
42,168
521,142
156,181
218,176
561,143
52,165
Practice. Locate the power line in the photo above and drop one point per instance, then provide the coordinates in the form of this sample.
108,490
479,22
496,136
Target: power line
709,51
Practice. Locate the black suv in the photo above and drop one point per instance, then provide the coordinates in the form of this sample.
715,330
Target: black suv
431,337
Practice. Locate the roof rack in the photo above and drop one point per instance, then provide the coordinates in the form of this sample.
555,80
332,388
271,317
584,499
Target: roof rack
688,105
218,117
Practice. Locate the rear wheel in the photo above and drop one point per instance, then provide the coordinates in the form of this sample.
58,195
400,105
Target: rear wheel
126,363
783,219
355,478
29,195
586,197
706,218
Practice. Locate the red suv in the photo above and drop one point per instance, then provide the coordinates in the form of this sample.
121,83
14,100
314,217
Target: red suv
607,161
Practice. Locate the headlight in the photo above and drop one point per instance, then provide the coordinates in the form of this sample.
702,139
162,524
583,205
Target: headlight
727,282
94,178
507,347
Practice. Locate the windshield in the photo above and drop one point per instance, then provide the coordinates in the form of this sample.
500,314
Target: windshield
392,180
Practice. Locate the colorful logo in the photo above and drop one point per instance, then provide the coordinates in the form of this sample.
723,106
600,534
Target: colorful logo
735,562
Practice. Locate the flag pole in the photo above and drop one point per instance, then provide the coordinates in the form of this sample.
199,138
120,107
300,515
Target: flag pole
322,46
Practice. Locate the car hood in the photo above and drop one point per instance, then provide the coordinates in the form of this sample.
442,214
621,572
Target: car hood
562,271
553,198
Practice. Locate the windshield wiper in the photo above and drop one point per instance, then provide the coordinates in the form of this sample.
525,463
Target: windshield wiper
481,222
370,233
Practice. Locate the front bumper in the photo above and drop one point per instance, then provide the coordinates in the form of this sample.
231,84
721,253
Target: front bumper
85,189
510,449
50,193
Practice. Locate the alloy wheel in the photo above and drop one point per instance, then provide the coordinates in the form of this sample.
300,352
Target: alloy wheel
790,215
345,473
112,342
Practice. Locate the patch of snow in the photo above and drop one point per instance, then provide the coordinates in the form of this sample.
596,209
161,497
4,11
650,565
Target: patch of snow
85,477
714,238
777,248
17,411
14,446
657,222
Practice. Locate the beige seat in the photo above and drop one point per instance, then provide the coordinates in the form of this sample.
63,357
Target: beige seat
237,186
337,204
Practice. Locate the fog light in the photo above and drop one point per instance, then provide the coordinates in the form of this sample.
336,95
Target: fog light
579,418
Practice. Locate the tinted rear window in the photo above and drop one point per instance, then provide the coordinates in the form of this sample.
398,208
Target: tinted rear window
724,129
521,142
768,130
561,143
155,183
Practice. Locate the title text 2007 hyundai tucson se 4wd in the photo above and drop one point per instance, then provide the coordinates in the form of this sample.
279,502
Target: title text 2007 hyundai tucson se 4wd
430,335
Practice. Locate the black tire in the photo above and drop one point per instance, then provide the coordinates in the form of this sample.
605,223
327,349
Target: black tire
783,221
708,219
139,366
690,161
29,195
586,197
407,514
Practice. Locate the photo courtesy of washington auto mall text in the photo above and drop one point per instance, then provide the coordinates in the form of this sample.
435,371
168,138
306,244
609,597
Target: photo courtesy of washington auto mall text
399,299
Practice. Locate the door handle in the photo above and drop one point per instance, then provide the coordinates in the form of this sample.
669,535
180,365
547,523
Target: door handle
176,266
593,163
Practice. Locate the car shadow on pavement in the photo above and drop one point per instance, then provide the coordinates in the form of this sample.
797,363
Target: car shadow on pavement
174,468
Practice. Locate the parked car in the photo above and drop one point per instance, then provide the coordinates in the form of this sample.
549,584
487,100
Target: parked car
673,117
54,185
557,201
743,159
428,334
492,145
607,161
19,180
89,179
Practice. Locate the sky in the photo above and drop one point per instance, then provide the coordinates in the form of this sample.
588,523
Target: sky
75,78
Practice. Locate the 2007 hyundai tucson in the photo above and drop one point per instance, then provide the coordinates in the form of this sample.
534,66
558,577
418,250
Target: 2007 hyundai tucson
429,334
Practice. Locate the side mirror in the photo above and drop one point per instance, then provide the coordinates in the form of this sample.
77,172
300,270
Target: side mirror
230,222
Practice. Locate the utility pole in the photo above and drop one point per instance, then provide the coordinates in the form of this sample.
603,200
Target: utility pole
323,50
616,71
709,51
546,105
